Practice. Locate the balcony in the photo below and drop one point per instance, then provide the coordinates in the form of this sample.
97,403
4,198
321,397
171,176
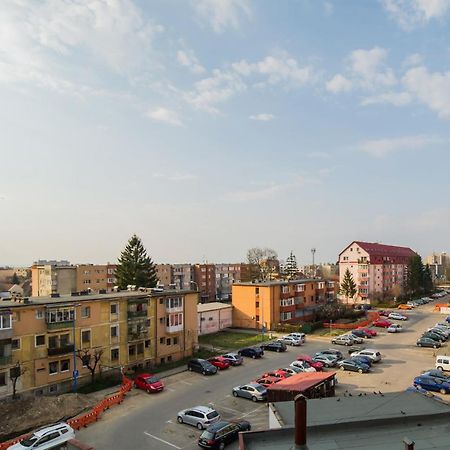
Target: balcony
5,360
6,333
62,350
174,309
288,308
59,325
285,295
174,328
136,314
138,336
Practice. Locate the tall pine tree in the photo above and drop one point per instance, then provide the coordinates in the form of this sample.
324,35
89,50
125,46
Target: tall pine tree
135,267
290,268
427,279
415,277
348,286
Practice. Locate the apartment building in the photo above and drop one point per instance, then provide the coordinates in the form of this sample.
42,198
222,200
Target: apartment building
164,274
205,278
378,270
129,329
266,304
182,276
53,277
439,263
226,275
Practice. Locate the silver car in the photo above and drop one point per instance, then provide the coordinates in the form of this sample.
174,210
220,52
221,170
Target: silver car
291,340
234,359
326,360
198,416
253,391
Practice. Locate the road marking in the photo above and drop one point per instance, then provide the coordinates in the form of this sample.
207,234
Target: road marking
169,421
186,382
162,440
170,389
251,412
230,409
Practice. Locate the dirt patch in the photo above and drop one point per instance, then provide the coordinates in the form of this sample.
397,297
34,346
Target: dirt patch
23,415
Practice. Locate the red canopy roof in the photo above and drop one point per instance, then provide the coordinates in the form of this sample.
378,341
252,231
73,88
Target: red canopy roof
302,381
375,249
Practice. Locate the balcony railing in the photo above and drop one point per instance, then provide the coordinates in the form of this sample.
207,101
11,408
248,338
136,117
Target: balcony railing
59,325
137,336
285,295
134,314
5,360
62,350
174,309
174,328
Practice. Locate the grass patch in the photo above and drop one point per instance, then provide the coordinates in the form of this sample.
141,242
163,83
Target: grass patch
232,340
99,384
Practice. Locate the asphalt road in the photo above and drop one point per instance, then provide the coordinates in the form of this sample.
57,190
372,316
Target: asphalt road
149,421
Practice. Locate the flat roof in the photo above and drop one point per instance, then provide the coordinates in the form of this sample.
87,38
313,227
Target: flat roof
213,306
278,282
89,297
301,381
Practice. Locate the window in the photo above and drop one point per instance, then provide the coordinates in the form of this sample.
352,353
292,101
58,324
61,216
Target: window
175,341
53,367
85,312
257,304
15,344
53,342
65,365
202,319
176,302
168,341
60,315
161,340
2,378
169,358
114,331
131,350
39,340
257,318
85,336
39,314
114,308
174,320
64,340
286,315
114,354
5,321
140,348
161,301
147,343
257,291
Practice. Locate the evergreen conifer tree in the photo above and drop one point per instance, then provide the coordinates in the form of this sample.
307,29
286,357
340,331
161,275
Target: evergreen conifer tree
415,278
135,267
427,279
348,286
290,268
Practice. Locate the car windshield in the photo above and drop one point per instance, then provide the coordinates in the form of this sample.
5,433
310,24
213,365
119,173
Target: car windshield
151,380
207,435
212,414
260,388
29,442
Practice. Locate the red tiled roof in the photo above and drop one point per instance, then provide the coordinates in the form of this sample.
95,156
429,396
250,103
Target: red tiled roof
302,381
375,249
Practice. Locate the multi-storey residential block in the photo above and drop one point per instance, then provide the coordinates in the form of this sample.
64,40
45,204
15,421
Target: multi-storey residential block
205,278
91,276
226,275
265,304
182,276
130,329
53,277
164,274
439,263
378,270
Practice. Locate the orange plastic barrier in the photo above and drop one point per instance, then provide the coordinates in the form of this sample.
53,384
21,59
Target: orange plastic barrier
371,317
90,417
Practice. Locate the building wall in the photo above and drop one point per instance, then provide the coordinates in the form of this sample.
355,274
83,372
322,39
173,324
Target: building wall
164,274
90,276
205,277
182,276
215,320
47,279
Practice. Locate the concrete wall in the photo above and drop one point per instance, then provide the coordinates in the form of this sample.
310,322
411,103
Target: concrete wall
214,321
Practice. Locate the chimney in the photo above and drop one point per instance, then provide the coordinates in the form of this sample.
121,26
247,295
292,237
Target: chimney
300,423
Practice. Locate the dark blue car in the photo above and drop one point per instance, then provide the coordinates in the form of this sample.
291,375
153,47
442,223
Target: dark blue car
251,352
362,360
432,384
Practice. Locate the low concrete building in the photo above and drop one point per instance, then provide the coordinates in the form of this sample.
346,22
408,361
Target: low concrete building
213,317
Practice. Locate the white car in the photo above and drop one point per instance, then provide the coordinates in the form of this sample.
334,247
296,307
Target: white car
345,339
303,366
397,316
371,353
301,336
394,328
47,437
291,340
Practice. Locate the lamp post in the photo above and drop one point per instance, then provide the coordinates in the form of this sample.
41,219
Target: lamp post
75,371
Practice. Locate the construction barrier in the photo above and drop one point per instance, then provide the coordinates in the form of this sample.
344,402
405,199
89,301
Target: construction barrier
371,317
87,418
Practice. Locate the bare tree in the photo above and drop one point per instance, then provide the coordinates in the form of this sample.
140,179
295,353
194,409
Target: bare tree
15,373
265,261
90,358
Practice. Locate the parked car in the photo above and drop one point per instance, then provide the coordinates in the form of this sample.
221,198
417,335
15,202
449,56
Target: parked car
362,359
355,348
443,362
303,366
432,384
356,339
47,437
233,358
353,366
434,336
404,306
222,433
436,373
279,373
447,319
149,383
201,366
220,362
360,333
301,336
397,316
198,416
267,381
331,351
383,313
276,346
371,353
439,331
291,340
253,391
251,352
343,340
427,342
292,370
326,360
316,365
394,328
382,323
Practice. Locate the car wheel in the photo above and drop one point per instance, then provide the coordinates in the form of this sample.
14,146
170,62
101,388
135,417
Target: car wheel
200,426
235,394
419,344
148,391
360,371
203,372
179,419
278,350
221,445
342,368
440,368
254,399
443,391
434,346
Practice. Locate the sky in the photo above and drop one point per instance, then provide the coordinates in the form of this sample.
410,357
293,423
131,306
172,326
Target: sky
208,127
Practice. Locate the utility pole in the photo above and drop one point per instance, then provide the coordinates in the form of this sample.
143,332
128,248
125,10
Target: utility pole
313,252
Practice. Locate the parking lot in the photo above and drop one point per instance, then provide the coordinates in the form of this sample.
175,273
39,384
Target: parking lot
149,421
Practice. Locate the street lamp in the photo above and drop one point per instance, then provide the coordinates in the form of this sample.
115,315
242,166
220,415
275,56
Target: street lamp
75,371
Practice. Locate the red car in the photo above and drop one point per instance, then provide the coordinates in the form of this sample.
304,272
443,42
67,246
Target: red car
316,364
267,381
382,323
149,383
279,373
220,362
373,333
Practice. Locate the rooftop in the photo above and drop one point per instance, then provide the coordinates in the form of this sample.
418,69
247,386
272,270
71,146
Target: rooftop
376,249
278,282
301,381
213,306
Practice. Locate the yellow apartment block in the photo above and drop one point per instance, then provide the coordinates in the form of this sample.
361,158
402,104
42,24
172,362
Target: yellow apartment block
266,304
47,335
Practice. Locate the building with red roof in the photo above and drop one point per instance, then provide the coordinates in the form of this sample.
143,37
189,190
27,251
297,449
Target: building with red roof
378,270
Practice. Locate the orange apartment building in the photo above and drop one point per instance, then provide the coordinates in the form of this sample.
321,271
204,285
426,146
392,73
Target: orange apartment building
266,304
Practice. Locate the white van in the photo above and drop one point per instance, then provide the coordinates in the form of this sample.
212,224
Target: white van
47,437
443,362
299,336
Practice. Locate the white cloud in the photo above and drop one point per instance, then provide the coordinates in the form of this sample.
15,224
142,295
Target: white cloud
382,147
175,176
222,14
262,117
431,88
186,58
412,13
328,8
415,59
165,116
338,84
393,98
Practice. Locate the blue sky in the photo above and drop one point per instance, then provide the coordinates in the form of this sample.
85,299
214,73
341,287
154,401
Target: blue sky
211,126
